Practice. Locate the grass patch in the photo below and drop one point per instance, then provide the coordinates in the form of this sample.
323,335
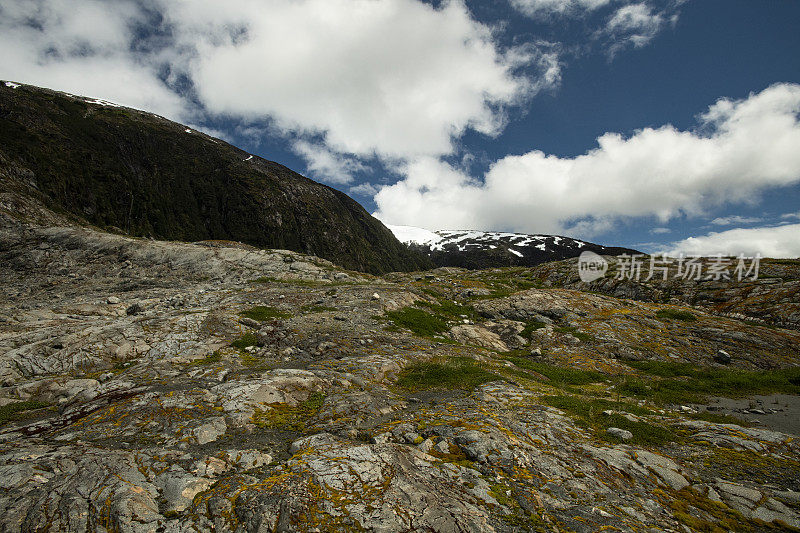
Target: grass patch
675,314
590,413
285,416
756,467
448,309
262,313
250,361
246,340
418,321
583,337
17,410
686,383
211,358
559,375
530,327
457,373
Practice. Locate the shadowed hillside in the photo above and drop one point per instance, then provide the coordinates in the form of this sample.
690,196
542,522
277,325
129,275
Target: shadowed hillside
140,174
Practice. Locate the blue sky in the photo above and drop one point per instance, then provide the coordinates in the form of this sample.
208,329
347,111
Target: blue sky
480,115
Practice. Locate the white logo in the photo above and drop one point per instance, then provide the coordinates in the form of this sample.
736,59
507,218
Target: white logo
591,267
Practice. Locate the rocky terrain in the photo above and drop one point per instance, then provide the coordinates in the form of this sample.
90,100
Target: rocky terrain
154,386
489,249
135,173
773,299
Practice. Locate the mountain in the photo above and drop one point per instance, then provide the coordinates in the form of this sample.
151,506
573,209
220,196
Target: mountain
140,174
482,249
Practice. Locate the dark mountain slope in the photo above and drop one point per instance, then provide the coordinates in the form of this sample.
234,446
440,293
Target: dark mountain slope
138,173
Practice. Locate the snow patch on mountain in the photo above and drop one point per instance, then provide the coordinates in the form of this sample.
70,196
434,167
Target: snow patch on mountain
413,235
488,249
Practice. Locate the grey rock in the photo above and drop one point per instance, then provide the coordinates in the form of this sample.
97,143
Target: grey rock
623,434
210,431
722,357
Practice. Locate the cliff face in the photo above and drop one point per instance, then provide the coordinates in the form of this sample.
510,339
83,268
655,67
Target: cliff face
140,174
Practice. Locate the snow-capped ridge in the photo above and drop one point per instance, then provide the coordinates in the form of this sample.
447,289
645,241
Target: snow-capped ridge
483,249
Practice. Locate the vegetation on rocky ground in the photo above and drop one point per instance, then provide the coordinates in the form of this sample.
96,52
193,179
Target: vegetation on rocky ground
17,410
262,313
456,373
680,383
418,321
329,420
285,416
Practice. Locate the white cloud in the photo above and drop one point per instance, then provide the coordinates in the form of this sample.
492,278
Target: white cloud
546,8
787,216
660,231
82,48
325,165
734,219
745,147
628,22
633,24
777,241
363,189
394,77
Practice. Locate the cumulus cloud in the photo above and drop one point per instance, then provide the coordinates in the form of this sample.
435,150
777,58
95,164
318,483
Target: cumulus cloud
547,8
363,189
325,165
389,78
626,23
734,219
772,241
396,78
740,148
633,24
83,48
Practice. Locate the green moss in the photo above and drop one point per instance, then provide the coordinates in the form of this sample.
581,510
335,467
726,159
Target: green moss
285,416
753,466
687,383
559,375
719,517
246,340
457,373
252,362
450,310
17,410
590,413
500,493
530,327
211,358
675,314
583,337
262,313
418,321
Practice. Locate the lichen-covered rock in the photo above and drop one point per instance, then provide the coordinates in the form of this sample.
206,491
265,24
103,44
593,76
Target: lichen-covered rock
322,416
